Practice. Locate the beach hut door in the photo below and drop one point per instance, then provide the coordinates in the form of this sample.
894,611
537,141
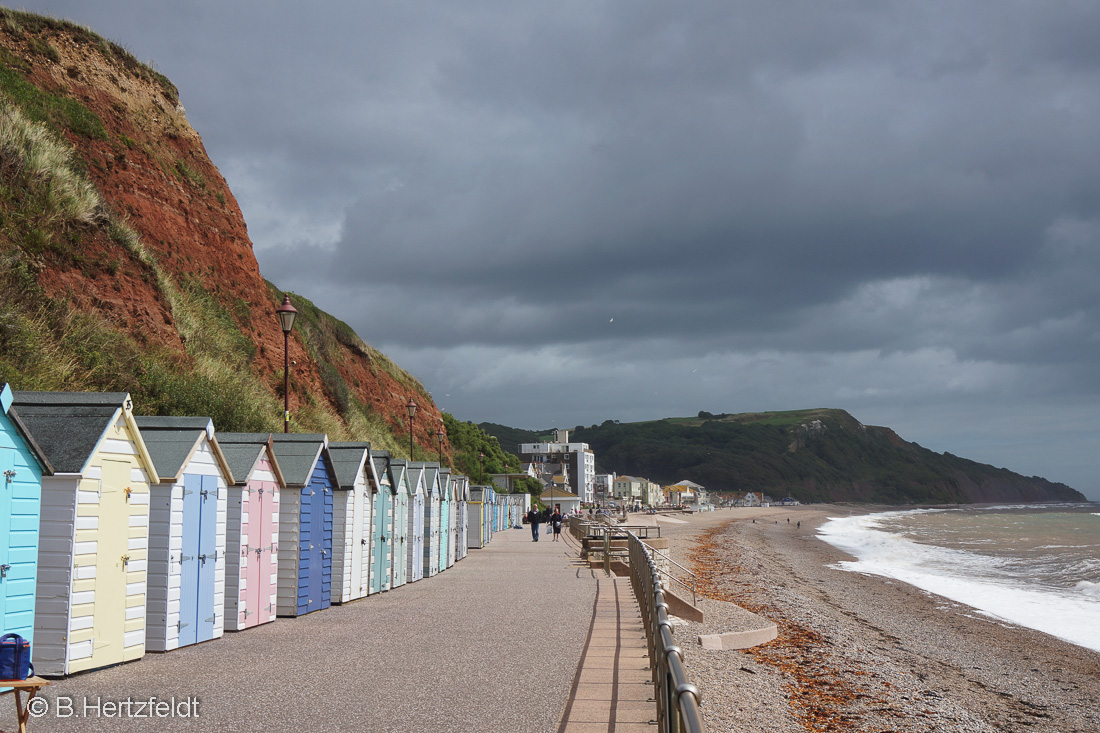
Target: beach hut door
112,550
198,558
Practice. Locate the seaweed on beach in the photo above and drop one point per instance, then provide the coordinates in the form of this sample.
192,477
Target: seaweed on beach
821,695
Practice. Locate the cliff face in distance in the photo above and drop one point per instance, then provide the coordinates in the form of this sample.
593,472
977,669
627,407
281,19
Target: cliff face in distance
152,268
812,455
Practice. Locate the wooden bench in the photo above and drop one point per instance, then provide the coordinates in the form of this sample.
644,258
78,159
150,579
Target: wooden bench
30,686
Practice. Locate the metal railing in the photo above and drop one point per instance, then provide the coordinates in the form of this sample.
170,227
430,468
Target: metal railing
677,698
688,585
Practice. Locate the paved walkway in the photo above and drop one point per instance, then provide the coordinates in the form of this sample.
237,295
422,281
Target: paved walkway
508,639
613,689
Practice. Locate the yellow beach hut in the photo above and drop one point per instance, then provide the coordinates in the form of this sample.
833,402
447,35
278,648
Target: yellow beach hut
94,532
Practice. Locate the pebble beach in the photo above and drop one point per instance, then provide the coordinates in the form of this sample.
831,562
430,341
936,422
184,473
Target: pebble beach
858,652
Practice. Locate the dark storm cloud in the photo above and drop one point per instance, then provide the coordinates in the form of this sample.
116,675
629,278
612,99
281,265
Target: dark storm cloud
560,213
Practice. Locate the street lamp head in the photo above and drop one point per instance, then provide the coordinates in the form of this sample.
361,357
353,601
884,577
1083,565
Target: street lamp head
286,313
411,407
441,434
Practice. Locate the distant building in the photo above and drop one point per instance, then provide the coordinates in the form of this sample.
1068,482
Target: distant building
603,483
575,461
635,491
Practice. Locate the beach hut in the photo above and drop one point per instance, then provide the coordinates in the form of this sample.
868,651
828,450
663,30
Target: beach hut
93,532
414,536
446,491
444,515
187,522
480,512
252,530
382,526
22,464
399,567
462,498
431,520
351,521
305,523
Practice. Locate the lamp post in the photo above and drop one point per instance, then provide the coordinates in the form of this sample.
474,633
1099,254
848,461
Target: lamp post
481,467
411,408
286,313
440,434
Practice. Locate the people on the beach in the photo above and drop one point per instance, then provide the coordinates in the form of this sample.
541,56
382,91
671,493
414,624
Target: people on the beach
555,521
534,518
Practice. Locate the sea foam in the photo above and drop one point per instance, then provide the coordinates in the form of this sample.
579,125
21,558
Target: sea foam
986,583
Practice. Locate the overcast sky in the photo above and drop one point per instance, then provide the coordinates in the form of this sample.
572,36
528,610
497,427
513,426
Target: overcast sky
558,213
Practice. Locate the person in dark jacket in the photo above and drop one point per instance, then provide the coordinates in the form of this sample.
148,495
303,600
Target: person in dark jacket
534,518
555,521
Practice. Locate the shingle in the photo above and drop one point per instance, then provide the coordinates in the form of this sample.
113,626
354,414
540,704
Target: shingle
67,426
298,453
170,440
346,460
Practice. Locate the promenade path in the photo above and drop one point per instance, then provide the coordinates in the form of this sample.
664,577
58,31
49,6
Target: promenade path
492,644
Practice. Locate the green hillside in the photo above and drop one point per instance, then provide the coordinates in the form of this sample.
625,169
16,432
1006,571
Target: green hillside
812,455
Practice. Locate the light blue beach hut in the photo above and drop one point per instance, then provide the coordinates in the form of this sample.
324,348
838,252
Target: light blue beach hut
187,523
382,525
22,464
399,567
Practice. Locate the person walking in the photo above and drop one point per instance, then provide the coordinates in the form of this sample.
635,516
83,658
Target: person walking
555,521
534,518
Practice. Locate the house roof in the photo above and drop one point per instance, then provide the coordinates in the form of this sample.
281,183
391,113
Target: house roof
688,484
68,426
171,441
558,494
298,454
347,460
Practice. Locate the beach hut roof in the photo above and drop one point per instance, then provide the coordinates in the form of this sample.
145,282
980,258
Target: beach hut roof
243,452
172,441
6,397
347,460
298,454
69,426
380,460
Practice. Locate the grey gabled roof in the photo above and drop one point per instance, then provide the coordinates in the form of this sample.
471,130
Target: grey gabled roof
398,467
298,453
381,461
347,459
67,426
172,440
242,453
6,396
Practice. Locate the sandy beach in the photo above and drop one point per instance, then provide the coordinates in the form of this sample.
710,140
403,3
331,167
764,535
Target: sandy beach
858,652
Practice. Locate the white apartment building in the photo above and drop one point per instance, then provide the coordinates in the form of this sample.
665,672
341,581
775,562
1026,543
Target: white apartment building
576,461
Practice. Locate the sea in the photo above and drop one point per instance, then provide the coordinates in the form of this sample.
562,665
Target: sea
1032,565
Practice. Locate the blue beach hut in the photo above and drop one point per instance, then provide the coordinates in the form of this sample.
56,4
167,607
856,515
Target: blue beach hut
305,523
22,464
